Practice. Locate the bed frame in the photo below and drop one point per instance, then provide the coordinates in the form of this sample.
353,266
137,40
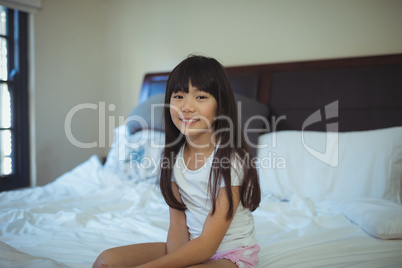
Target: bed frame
359,93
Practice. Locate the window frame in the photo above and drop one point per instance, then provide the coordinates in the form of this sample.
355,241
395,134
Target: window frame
17,51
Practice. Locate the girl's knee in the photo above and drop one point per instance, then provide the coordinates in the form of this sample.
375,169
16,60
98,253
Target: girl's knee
105,258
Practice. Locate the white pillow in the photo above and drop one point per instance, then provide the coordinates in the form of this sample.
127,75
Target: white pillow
135,157
380,218
114,163
331,165
144,154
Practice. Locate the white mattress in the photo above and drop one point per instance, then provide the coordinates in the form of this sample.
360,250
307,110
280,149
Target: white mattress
69,222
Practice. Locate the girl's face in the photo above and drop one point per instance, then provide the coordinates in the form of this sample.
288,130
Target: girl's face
193,113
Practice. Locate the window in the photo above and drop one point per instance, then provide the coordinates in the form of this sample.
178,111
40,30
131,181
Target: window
14,130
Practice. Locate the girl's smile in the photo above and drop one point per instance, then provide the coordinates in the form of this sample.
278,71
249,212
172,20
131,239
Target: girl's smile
188,121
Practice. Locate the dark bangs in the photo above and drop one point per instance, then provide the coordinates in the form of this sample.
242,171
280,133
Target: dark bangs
204,73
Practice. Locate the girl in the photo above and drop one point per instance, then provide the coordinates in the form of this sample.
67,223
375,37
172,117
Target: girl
207,178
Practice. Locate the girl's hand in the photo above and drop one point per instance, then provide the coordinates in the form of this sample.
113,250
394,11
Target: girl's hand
178,233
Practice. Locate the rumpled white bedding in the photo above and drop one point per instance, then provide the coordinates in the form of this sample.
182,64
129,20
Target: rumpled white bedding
69,222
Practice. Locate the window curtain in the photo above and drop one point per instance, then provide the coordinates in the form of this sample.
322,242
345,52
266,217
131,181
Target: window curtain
29,6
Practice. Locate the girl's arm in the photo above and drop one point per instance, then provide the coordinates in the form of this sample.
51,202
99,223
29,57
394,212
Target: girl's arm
178,233
203,247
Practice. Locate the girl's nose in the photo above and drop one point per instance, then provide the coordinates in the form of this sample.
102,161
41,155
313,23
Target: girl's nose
188,105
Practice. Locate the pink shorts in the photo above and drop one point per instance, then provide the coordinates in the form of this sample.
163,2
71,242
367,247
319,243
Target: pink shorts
243,257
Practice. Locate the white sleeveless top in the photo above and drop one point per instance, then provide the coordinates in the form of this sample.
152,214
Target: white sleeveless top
193,187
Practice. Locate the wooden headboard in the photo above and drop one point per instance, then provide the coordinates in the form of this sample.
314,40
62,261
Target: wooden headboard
359,93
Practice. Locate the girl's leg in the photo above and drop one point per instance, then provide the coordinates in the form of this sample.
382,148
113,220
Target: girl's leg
131,255
222,263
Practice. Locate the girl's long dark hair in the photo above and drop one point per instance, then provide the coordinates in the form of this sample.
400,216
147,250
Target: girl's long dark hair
208,75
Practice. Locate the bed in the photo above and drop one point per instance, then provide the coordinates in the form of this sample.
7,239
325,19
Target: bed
328,147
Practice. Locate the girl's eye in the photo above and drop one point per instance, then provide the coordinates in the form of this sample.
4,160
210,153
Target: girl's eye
177,97
202,97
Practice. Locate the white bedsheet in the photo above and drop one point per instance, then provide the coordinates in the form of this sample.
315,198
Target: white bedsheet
69,222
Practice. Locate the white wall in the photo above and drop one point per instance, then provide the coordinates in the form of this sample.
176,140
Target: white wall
156,35
68,72
99,50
